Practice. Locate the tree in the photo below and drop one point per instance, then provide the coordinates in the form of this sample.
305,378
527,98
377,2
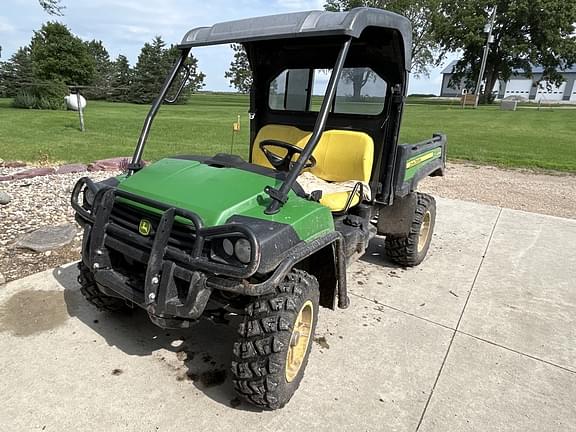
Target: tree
358,77
121,80
100,85
526,33
57,54
239,74
195,80
154,63
16,72
419,12
52,7
149,72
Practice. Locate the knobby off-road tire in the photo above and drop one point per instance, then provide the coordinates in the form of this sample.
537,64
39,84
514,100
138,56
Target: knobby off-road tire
275,341
91,292
410,250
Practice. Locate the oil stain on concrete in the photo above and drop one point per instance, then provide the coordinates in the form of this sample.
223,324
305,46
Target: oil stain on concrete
30,312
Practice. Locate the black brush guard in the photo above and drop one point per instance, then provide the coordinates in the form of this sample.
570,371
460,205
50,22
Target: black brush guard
168,261
175,281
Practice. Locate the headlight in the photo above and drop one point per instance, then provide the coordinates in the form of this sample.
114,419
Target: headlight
89,196
228,247
243,250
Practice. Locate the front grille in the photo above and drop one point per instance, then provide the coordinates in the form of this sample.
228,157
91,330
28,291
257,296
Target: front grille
125,216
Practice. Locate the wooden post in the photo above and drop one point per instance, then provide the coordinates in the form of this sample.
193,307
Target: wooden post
80,110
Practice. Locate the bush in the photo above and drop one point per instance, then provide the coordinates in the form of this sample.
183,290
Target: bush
24,99
42,95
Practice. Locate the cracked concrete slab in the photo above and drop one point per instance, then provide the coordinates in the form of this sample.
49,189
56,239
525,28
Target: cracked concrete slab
66,366
525,295
486,388
437,288
370,368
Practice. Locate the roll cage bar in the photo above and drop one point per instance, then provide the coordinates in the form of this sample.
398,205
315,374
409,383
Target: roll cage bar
341,28
278,196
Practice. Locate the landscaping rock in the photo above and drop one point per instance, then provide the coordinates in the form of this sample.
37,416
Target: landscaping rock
33,172
113,164
4,198
71,168
2,279
48,238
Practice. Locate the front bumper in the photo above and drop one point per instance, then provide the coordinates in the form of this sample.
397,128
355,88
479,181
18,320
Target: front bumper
174,260
176,275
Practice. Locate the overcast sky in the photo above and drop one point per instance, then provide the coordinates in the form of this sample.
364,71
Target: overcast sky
125,25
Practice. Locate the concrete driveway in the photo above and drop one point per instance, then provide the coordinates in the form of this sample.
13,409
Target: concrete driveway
480,337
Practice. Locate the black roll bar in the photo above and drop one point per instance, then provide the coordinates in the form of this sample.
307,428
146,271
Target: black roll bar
136,163
279,197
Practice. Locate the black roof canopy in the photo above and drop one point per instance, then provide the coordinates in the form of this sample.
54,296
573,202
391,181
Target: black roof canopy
302,25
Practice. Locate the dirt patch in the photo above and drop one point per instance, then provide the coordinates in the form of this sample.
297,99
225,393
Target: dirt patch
209,378
322,342
30,312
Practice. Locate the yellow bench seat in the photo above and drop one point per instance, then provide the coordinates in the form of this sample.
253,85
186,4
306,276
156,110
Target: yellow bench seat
341,156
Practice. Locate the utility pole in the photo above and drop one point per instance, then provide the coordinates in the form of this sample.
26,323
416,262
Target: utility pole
485,56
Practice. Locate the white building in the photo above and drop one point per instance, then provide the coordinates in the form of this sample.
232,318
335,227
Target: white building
521,86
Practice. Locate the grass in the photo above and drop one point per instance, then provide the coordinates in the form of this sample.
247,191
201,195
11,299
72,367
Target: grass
527,138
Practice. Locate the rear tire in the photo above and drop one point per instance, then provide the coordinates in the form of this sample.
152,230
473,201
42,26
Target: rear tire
410,250
90,291
275,342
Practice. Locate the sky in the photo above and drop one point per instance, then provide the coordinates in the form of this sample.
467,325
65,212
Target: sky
125,25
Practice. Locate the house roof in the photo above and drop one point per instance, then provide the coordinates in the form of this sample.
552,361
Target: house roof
302,24
535,69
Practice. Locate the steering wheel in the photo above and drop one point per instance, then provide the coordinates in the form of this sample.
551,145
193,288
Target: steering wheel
283,163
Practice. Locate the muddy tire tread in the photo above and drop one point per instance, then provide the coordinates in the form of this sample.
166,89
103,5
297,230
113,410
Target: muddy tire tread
403,250
258,363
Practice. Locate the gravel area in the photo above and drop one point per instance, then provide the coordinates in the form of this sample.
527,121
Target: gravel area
37,202
552,194
44,201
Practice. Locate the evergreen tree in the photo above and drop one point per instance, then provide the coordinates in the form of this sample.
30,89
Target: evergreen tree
195,80
58,55
154,63
16,72
121,80
100,85
239,74
149,72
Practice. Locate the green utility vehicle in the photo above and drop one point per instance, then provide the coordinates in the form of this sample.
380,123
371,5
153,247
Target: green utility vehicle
270,238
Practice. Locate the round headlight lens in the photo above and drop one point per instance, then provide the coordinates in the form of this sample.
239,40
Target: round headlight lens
228,247
242,250
89,196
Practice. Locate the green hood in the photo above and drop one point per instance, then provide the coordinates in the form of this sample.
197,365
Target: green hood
216,194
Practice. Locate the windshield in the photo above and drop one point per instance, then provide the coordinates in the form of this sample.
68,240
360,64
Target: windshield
359,91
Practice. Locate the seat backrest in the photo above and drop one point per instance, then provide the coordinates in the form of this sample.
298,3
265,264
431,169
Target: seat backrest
340,155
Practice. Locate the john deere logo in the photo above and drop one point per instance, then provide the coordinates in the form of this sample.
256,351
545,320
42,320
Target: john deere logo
145,227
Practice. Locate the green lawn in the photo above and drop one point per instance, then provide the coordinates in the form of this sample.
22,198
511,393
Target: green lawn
527,138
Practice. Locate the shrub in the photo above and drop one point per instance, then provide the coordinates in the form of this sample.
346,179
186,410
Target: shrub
24,99
47,95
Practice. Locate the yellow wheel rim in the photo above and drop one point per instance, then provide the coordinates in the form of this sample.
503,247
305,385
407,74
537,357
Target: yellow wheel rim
424,231
301,334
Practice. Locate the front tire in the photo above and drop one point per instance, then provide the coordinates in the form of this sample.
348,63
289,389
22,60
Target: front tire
410,250
275,342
